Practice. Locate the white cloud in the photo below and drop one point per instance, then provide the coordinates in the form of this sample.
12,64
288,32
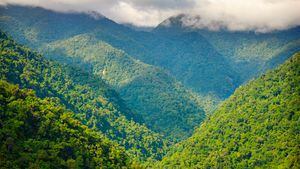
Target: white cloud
258,15
127,13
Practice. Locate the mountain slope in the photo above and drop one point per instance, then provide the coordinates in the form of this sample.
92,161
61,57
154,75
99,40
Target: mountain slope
40,133
251,52
218,57
247,51
93,102
35,26
195,62
186,60
43,26
258,126
212,64
144,87
92,47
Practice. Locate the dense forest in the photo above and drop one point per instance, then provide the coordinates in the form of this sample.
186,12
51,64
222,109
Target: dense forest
258,126
191,71
142,86
79,90
41,133
92,47
94,103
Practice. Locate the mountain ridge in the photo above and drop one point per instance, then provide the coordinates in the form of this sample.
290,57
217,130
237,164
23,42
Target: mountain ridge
151,84
94,104
143,86
105,95
248,51
256,127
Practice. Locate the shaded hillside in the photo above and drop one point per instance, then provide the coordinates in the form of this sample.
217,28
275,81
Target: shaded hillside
133,94
35,26
144,87
38,25
192,60
200,59
93,102
165,104
248,52
211,64
195,62
257,127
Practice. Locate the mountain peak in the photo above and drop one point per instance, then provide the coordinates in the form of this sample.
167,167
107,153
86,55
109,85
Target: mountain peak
95,15
173,20
183,22
191,22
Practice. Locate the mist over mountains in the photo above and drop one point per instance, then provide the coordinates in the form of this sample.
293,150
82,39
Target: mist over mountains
234,15
184,89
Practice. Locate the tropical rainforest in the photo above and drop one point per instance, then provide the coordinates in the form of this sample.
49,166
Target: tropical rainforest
258,126
78,90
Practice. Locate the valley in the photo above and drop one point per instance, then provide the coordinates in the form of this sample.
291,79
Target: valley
79,90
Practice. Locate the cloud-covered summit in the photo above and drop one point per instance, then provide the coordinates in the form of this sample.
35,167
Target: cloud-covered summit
257,15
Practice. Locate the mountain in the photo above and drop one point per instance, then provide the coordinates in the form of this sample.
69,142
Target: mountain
41,26
257,127
211,63
172,77
250,53
93,47
94,103
41,133
35,26
195,62
142,86
186,60
107,95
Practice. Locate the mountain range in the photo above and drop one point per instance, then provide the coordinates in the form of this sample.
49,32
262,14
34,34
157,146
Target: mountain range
171,90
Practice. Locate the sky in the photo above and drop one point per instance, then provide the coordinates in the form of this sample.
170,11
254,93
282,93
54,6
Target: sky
236,15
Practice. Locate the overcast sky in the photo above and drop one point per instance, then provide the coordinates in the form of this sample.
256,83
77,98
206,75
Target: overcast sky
259,15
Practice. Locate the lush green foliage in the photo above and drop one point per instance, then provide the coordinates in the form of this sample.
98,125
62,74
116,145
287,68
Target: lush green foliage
212,64
142,86
94,103
257,127
249,130
209,62
40,133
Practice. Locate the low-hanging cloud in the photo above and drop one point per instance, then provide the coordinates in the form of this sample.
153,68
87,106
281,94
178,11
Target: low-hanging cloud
257,15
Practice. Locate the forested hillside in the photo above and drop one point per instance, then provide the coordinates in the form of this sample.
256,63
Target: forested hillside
79,90
193,61
212,63
35,26
93,102
250,53
257,127
41,133
91,46
142,86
